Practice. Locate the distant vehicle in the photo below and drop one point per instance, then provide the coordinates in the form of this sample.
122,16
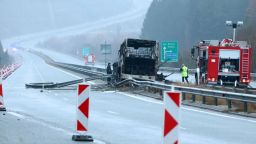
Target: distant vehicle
224,62
90,59
138,59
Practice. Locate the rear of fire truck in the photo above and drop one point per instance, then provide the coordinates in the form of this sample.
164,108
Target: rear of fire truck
224,62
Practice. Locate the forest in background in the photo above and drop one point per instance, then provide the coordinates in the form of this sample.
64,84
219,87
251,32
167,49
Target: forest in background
4,57
190,21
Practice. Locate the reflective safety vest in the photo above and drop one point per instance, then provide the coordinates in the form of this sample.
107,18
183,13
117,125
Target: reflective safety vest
184,71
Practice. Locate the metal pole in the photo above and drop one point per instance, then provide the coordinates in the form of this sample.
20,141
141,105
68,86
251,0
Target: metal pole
216,101
203,99
234,34
193,98
105,54
229,104
198,76
245,107
198,70
183,96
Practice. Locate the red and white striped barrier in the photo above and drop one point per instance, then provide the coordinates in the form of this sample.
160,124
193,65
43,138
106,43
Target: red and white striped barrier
2,108
171,117
8,70
82,113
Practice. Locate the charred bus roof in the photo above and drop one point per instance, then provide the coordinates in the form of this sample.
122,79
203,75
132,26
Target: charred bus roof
137,43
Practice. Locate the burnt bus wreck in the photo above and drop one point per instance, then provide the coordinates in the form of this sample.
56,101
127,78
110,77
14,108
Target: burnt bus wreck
138,59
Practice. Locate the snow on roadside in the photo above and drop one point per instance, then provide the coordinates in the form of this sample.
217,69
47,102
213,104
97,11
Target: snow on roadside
253,84
176,77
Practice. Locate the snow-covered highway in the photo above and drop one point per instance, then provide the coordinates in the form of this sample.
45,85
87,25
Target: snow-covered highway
116,117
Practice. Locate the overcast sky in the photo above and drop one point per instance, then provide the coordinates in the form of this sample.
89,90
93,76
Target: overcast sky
18,17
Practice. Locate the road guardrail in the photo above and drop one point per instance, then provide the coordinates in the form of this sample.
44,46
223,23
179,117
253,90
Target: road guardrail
229,96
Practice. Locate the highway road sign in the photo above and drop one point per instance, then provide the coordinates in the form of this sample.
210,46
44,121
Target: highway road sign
106,48
169,52
86,51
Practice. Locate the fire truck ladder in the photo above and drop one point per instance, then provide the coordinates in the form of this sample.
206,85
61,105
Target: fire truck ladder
245,63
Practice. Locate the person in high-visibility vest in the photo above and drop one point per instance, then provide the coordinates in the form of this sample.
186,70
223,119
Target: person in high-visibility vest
184,73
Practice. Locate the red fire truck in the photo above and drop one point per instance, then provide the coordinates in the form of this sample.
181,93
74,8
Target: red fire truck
223,62
90,59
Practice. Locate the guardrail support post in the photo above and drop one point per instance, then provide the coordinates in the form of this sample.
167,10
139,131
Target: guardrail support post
203,99
245,107
216,101
229,104
161,93
183,96
193,98
154,90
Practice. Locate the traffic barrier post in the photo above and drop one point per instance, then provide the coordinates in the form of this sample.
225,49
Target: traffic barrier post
171,117
2,107
82,114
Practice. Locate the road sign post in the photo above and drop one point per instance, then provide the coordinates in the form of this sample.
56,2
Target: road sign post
169,52
106,49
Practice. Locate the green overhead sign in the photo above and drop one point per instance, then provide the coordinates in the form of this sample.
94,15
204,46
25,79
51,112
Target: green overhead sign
169,51
106,48
86,51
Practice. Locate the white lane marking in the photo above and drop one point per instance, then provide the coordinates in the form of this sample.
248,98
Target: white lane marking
189,109
99,142
220,115
61,130
73,75
70,74
17,115
39,73
17,87
112,112
90,82
182,128
109,91
141,98
50,126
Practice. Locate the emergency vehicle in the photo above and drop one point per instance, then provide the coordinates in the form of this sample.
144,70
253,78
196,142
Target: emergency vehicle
90,59
223,62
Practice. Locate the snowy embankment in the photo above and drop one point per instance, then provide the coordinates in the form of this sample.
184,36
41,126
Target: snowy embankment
253,84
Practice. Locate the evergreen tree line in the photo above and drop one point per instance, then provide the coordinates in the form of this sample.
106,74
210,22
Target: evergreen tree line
4,57
190,21
248,32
